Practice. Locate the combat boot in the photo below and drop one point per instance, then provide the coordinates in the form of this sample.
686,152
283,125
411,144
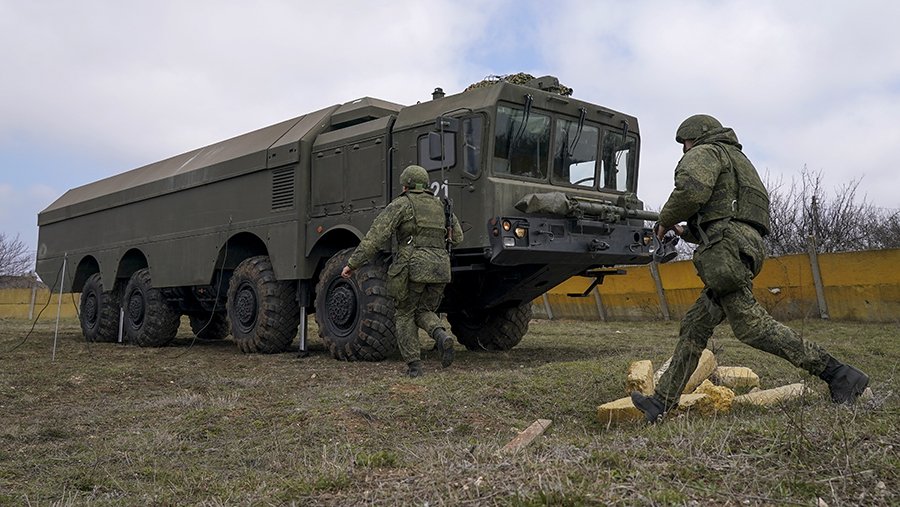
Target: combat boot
845,382
444,345
652,407
414,369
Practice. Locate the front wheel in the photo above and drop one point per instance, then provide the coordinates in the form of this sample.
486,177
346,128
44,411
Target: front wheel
495,329
150,321
263,310
355,315
99,311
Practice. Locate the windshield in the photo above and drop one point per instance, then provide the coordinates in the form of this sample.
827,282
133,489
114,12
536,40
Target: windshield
581,154
575,155
618,160
522,144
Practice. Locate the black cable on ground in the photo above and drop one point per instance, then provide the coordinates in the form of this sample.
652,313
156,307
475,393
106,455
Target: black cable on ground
33,324
212,314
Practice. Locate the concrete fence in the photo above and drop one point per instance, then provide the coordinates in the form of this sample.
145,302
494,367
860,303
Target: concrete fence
861,286
29,303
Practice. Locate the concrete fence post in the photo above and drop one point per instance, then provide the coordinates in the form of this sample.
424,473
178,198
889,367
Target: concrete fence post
660,293
34,286
817,276
547,306
601,312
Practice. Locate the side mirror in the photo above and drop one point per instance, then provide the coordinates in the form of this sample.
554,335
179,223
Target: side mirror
446,124
434,145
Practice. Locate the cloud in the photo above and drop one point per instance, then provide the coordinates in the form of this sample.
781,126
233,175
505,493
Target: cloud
801,83
158,78
94,88
18,210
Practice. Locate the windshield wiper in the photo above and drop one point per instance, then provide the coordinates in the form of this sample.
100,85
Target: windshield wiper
528,101
521,130
571,148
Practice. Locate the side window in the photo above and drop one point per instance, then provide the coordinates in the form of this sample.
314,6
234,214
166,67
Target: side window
618,160
575,154
449,148
471,132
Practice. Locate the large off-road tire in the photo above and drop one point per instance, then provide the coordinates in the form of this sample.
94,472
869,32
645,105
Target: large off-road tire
355,315
262,310
99,311
496,329
210,326
150,321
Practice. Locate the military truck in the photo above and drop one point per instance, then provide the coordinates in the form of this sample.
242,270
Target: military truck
249,235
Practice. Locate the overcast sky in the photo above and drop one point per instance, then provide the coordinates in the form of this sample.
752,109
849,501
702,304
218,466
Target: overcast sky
93,88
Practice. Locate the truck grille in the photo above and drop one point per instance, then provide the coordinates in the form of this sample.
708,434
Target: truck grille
282,189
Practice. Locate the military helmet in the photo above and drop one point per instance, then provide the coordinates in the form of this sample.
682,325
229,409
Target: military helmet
414,177
696,127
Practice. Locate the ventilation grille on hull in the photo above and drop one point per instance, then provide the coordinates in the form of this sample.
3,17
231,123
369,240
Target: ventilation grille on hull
282,189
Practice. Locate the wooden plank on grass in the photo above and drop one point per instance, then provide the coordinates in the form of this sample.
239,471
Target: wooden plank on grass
527,436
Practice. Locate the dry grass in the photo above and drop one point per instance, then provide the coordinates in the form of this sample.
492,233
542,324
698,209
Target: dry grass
201,423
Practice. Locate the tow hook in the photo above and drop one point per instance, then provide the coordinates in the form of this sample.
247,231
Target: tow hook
597,246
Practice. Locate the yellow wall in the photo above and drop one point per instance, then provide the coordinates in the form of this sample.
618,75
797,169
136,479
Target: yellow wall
15,303
862,286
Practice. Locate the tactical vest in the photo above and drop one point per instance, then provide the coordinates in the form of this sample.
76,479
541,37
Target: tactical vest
422,252
430,223
739,194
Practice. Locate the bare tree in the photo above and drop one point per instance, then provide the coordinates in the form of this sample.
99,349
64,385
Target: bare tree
841,222
886,230
15,259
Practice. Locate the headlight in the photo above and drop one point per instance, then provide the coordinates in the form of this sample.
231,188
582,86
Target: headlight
506,225
521,232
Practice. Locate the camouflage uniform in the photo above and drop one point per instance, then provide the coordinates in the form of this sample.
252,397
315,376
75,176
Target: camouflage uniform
421,264
719,194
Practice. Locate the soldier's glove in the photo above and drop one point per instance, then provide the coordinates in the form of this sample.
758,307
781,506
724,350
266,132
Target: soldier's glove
664,251
658,230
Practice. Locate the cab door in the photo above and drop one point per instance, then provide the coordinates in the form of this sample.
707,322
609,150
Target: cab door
454,160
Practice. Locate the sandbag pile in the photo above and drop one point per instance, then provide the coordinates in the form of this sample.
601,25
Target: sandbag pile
710,389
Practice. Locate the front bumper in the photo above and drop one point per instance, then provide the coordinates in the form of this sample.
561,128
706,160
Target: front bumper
575,241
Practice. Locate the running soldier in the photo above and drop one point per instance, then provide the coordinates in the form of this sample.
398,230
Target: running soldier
420,267
720,196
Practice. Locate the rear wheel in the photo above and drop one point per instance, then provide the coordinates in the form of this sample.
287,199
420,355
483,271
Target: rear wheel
262,310
99,311
210,326
496,329
355,315
150,321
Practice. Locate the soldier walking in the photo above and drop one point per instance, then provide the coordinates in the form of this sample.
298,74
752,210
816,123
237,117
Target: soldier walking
720,196
420,267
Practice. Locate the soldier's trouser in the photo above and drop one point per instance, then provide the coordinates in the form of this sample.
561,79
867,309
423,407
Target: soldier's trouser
416,309
727,267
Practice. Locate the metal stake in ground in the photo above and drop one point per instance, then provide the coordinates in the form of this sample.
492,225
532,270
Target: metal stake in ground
62,281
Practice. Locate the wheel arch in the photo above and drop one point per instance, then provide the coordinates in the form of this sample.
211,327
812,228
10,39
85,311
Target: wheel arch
236,249
133,260
87,266
331,242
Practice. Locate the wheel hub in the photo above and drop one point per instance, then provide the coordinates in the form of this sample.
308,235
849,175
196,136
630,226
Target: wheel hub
89,309
136,308
342,306
246,307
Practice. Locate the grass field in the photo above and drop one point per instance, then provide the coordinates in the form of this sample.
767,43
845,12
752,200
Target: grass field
200,423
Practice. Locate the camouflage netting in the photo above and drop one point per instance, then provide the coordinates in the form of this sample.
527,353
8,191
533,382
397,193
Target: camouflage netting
519,78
